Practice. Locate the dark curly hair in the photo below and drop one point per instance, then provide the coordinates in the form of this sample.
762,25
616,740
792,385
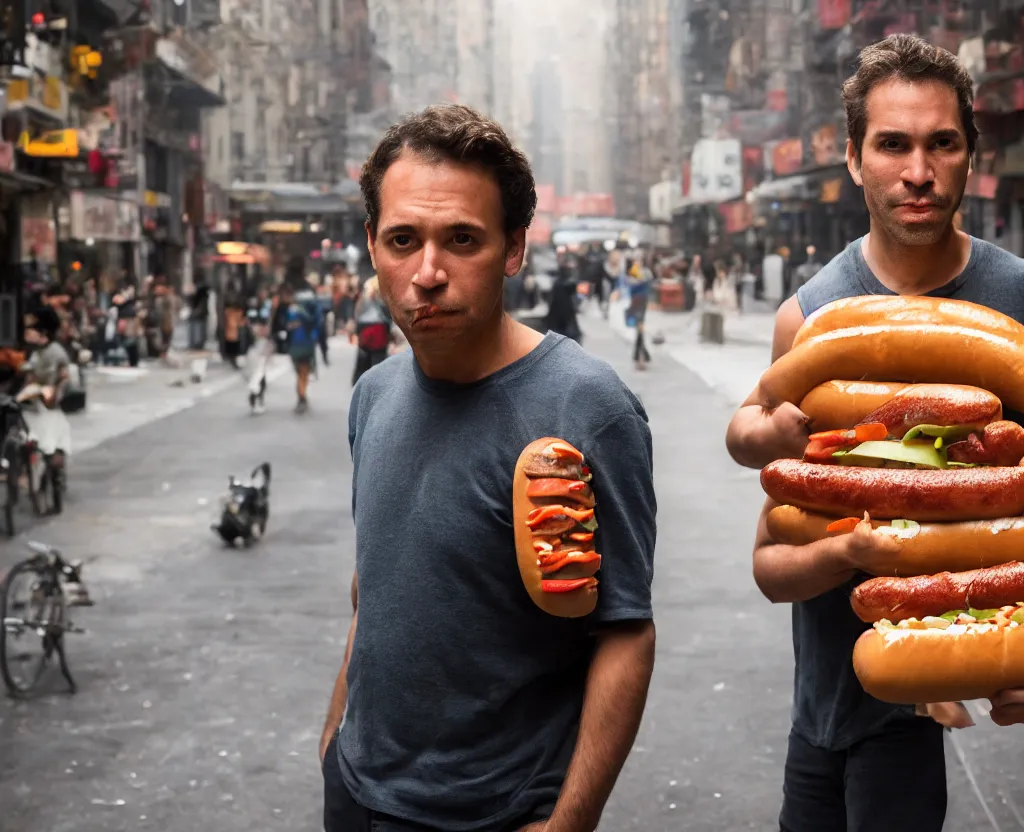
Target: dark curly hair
456,133
906,58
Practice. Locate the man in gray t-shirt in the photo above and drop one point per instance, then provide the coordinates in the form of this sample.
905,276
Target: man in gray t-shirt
462,706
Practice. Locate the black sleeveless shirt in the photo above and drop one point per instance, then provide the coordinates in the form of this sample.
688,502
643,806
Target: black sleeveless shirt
830,708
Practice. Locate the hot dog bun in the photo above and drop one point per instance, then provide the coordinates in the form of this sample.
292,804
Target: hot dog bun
919,353
923,495
930,548
574,604
834,405
910,667
869,310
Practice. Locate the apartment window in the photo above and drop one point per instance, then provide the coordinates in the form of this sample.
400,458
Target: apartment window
237,145
220,148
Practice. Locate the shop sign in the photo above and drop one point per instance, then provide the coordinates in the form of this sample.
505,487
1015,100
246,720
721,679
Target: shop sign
787,157
824,145
716,170
281,227
47,94
737,216
831,190
38,235
834,14
102,218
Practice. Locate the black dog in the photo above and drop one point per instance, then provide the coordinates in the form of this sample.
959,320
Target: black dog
246,508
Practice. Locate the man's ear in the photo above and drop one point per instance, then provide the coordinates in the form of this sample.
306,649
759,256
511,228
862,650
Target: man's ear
515,251
371,241
853,163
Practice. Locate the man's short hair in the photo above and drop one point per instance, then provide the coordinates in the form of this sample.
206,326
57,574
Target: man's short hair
906,58
455,133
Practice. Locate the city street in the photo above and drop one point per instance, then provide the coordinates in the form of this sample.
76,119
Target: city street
205,672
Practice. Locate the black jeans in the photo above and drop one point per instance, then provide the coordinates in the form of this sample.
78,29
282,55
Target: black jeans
639,347
891,782
343,814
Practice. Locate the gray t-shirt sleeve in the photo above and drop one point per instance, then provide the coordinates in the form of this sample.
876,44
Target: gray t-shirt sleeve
621,459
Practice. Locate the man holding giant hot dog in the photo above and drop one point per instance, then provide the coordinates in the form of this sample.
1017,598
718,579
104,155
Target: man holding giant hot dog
854,762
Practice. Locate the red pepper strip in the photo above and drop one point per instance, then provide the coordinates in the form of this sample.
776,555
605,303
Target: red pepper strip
539,515
563,450
871,432
570,558
821,453
844,526
582,537
567,586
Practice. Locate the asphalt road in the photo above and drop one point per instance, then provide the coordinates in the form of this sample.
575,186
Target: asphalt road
205,672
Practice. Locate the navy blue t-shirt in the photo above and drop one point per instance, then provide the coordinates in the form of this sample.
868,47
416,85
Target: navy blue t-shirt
830,708
464,697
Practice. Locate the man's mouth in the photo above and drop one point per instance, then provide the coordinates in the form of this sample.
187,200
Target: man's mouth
422,313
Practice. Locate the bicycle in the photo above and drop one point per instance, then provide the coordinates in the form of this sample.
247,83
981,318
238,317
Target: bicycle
33,605
45,474
14,455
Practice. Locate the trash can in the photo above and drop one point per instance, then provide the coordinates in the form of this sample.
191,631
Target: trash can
712,327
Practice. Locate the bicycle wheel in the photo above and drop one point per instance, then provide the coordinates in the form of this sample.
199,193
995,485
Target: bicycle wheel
32,612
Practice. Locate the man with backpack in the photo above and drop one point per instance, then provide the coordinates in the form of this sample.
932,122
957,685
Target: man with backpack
372,330
304,324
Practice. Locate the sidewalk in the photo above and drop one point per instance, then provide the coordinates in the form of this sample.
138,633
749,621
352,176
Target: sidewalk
731,369
121,399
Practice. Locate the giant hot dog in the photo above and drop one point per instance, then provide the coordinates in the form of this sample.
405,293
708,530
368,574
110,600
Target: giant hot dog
869,310
937,660
920,353
553,519
924,548
898,599
921,495
939,638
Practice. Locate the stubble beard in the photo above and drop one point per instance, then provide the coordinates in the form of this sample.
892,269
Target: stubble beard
910,234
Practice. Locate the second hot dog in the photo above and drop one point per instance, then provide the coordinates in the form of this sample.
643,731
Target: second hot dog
898,599
936,495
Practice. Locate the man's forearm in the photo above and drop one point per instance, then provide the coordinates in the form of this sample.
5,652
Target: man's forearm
617,683
788,574
336,710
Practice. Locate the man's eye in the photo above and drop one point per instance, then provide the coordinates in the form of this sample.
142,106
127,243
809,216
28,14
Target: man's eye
463,239
892,144
401,240
944,144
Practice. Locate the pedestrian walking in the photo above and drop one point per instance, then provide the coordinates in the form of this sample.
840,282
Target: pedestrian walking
561,317
372,329
638,285
199,315
303,321
855,762
460,704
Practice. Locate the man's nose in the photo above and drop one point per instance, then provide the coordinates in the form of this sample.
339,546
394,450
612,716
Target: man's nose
919,172
431,273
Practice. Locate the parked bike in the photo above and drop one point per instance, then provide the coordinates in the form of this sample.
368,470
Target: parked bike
34,616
